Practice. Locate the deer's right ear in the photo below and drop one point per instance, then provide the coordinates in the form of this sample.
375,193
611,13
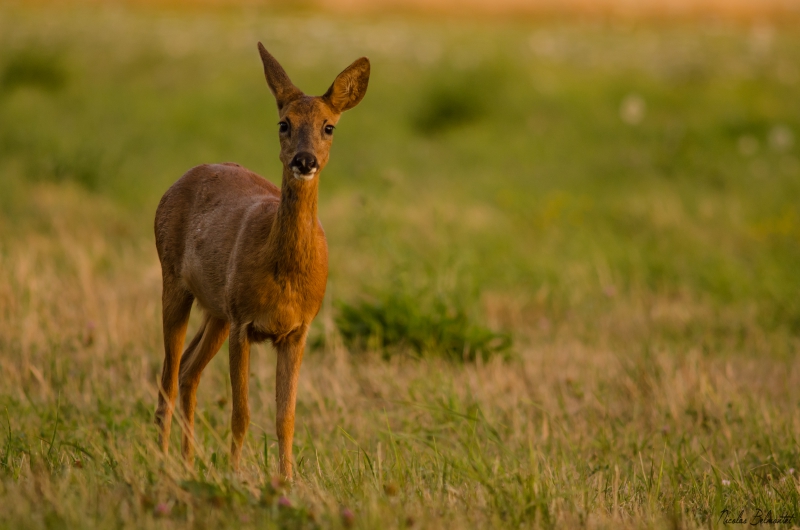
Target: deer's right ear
279,83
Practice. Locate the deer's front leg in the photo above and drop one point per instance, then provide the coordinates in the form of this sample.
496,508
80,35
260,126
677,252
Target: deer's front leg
290,357
239,347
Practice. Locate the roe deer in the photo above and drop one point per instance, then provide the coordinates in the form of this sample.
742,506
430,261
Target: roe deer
253,256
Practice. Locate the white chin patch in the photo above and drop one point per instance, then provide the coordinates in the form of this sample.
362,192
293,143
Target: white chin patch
300,176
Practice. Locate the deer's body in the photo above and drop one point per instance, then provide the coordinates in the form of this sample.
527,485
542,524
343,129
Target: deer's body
226,235
253,256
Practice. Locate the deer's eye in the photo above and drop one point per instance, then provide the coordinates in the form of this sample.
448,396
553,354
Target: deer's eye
329,129
283,127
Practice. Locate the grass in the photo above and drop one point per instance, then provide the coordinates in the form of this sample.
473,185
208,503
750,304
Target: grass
403,320
619,198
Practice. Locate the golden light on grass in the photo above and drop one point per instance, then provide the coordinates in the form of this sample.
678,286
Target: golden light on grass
646,273
625,9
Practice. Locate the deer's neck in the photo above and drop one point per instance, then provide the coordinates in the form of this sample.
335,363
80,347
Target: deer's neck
292,241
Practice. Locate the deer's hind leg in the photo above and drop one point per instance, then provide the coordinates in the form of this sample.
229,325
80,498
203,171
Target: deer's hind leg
239,351
176,307
204,347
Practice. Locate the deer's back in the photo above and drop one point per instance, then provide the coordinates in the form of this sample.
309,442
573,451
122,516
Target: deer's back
199,220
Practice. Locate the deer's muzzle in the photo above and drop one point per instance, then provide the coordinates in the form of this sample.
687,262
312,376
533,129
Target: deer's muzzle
304,165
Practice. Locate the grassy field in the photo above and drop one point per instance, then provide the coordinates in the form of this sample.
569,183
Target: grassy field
616,201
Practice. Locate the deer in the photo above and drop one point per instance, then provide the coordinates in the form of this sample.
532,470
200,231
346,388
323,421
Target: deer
253,257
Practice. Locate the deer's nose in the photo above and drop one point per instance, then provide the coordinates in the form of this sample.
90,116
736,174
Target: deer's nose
304,163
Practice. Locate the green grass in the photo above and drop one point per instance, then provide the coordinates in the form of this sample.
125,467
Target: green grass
621,199
403,320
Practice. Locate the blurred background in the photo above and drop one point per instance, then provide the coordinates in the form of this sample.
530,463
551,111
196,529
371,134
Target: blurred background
615,168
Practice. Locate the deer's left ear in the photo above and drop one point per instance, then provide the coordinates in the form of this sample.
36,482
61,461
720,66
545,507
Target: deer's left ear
349,88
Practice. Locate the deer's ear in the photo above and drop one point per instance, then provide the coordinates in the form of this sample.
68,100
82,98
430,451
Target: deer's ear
349,88
279,83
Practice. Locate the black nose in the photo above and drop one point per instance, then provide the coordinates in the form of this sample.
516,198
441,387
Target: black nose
304,163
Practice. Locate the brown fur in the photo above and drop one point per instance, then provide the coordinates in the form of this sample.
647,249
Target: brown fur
253,257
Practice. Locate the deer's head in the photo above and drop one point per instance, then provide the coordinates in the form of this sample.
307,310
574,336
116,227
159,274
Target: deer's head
307,122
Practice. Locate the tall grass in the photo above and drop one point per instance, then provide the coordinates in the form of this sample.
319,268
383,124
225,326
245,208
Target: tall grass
621,199
402,320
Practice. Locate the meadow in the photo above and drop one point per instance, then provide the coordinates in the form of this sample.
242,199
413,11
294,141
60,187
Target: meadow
564,271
